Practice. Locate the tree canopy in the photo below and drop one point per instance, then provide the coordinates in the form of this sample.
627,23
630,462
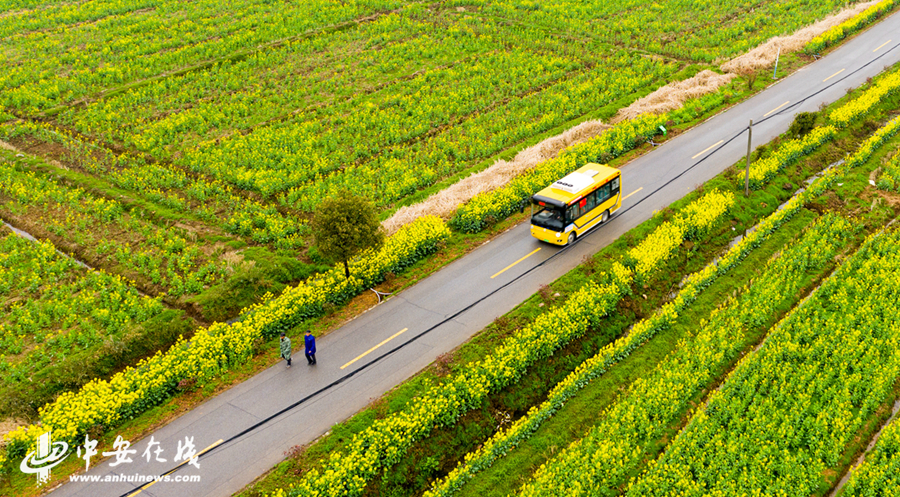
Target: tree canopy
345,225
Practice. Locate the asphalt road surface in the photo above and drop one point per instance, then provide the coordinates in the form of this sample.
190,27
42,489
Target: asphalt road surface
483,285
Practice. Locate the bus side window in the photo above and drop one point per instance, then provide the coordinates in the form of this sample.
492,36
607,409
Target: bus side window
604,192
591,201
572,214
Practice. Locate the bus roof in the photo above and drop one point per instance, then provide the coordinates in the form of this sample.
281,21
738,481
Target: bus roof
576,184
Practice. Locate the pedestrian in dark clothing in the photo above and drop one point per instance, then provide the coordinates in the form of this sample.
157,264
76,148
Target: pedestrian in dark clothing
286,349
310,347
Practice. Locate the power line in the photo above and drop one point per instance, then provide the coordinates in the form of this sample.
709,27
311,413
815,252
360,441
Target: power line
412,339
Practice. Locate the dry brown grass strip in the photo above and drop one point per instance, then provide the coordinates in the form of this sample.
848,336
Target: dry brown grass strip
673,95
445,202
9,424
764,55
667,98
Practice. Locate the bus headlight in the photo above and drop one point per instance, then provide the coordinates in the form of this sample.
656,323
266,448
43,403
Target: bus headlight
558,235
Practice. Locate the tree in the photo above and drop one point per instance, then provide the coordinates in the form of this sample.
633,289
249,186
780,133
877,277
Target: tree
803,124
345,226
749,73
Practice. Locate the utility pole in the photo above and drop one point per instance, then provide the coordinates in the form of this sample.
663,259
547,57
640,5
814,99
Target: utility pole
775,72
747,175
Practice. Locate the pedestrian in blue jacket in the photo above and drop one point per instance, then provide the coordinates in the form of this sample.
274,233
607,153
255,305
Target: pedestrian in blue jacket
310,347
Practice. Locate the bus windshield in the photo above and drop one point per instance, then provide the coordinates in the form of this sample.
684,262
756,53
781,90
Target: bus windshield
547,217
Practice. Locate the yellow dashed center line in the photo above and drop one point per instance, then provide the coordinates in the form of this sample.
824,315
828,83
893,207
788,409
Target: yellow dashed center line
148,485
395,335
514,263
833,75
641,188
882,46
776,108
708,149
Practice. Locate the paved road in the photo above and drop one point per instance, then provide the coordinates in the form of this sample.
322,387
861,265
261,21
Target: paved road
471,279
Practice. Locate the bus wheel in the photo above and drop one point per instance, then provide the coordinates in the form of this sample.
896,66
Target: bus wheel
605,216
571,238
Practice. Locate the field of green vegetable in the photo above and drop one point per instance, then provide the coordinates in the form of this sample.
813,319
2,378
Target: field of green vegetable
833,356
250,123
188,159
179,149
613,423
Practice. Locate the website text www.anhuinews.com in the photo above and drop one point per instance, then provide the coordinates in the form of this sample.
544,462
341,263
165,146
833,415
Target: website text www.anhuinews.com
134,478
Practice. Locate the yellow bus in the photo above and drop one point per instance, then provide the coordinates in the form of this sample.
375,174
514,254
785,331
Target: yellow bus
576,203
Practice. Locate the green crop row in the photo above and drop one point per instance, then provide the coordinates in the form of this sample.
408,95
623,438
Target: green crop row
385,442
615,457
763,170
85,49
211,200
161,256
642,331
784,416
215,348
859,107
879,474
693,222
684,29
837,33
598,463
57,308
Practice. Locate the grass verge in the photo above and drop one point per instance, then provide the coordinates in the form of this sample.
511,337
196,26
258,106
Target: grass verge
407,480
